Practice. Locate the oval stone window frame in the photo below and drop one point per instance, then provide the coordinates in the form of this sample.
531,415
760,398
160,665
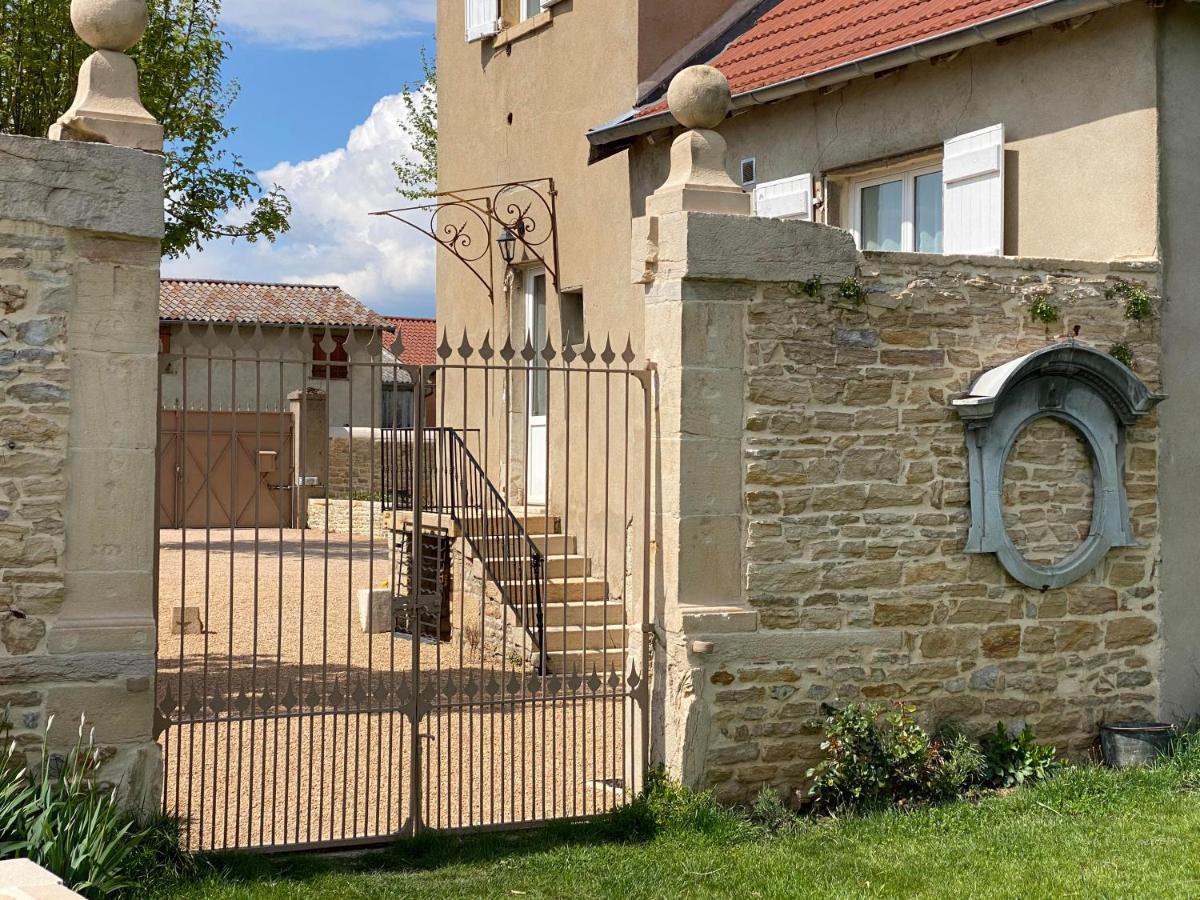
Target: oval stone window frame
1089,391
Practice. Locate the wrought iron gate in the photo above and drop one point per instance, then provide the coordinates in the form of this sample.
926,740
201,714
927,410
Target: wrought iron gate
423,651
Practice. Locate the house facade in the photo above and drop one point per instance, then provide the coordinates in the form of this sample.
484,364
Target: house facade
922,177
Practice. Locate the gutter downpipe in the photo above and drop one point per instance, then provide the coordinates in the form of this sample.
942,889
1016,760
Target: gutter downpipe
1048,13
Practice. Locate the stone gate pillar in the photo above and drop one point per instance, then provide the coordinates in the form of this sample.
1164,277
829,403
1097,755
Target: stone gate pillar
702,259
81,223
695,336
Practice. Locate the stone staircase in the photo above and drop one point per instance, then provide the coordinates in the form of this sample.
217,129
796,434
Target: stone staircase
584,627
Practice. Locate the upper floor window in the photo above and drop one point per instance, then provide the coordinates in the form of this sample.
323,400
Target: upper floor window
530,8
899,211
337,355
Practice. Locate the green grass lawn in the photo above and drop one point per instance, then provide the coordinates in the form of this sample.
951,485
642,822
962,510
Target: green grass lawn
1088,833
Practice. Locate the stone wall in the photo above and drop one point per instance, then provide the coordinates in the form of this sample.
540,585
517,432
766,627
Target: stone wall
354,467
80,226
856,502
350,517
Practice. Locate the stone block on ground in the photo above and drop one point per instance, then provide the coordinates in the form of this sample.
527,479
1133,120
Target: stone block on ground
376,611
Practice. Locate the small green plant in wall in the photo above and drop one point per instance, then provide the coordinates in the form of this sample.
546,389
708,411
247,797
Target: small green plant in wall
1121,353
812,287
1043,310
1138,303
851,291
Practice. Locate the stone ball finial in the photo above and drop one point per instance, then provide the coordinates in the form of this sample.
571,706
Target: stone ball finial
110,24
699,97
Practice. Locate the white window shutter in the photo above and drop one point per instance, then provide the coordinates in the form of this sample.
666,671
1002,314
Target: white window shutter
483,19
787,198
973,202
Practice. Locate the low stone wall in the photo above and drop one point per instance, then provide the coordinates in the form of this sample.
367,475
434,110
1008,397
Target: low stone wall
354,466
350,517
856,499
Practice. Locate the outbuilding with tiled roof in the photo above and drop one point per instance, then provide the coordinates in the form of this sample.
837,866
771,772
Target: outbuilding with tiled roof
306,336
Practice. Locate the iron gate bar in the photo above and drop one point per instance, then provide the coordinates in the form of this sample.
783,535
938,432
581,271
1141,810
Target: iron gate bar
484,734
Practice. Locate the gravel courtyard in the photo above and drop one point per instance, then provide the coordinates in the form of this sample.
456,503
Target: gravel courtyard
289,725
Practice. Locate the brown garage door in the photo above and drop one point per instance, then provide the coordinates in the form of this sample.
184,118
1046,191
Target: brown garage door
224,469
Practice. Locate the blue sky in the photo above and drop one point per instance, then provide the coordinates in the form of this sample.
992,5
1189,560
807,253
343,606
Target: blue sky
317,114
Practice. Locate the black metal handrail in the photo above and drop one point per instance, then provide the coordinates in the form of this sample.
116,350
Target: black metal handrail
454,483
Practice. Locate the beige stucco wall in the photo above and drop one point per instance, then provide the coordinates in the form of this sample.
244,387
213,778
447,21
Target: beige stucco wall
1180,147
1080,112
284,364
555,83
80,228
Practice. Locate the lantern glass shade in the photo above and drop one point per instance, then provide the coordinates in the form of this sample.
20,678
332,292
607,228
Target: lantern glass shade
508,246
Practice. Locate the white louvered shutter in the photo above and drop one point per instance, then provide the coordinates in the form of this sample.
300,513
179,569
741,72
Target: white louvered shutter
787,198
483,19
973,203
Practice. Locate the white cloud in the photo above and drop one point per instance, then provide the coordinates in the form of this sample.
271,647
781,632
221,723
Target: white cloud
313,24
333,239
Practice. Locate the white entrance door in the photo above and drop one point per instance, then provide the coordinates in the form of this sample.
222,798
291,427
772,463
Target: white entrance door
538,399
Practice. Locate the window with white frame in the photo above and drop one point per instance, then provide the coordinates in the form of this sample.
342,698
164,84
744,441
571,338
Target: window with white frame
530,8
900,211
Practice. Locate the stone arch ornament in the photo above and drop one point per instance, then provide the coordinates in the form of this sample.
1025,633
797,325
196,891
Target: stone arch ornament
1090,391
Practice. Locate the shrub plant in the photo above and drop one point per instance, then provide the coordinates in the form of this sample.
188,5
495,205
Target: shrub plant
61,817
1012,760
1138,304
877,757
851,291
1122,353
1044,311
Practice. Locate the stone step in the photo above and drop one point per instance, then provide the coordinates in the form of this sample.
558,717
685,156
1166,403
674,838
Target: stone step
576,637
500,526
594,612
566,589
549,544
584,662
573,566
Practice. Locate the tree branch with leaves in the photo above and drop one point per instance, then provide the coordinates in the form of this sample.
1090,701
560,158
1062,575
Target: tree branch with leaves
210,191
418,176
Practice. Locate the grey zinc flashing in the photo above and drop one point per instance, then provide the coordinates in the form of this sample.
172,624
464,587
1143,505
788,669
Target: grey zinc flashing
1075,384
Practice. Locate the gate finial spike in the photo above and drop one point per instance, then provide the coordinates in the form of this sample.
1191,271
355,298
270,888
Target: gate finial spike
465,350
628,356
527,352
507,352
328,344
608,355
258,343
444,350
485,349
569,354
589,355
548,352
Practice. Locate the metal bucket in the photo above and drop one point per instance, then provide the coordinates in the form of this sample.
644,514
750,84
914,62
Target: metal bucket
1127,744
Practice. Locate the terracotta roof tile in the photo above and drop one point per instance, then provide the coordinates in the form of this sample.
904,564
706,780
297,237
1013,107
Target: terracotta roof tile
274,304
418,337
798,38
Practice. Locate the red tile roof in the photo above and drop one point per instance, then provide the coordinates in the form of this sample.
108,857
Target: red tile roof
798,38
269,304
418,337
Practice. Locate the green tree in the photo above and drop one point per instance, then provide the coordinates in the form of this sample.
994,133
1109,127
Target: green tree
418,177
180,60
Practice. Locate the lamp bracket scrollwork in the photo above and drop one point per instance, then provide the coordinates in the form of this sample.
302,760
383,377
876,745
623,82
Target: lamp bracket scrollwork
467,223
